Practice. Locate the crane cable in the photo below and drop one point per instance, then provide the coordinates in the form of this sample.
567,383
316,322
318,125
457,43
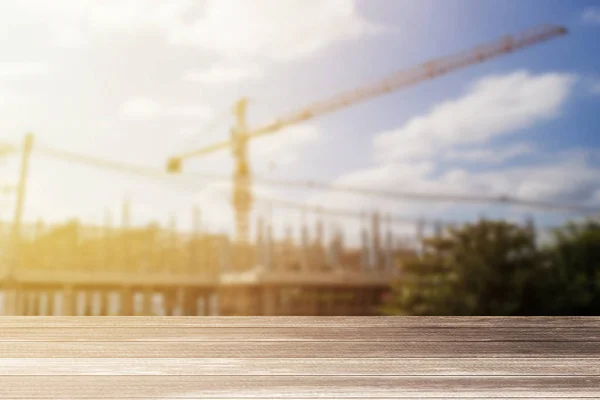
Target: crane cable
287,204
351,214
403,195
194,178
186,182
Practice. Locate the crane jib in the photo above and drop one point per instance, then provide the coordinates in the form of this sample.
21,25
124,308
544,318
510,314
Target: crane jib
406,78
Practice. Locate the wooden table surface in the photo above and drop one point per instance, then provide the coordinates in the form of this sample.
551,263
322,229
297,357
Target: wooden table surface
299,357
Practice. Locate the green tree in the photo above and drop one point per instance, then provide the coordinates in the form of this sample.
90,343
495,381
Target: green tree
570,284
487,268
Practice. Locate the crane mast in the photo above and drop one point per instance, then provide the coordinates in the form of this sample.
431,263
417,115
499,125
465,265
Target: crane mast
242,191
242,196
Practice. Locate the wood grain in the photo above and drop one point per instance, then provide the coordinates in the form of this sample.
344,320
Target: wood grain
299,358
338,349
129,387
306,334
303,366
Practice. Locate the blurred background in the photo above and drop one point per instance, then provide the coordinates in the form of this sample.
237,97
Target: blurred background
299,157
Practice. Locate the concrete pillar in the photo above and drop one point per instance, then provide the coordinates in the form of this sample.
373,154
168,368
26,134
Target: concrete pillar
305,246
439,229
51,302
103,302
389,246
88,301
20,301
288,244
190,302
68,301
33,302
336,248
308,301
169,302
420,233
55,302
269,246
10,300
26,301
319,260
212,306
363,300
269,301
365,260
203,303
376,232
179,301
93,299
321,302
43,299
147,301
260,241
126,301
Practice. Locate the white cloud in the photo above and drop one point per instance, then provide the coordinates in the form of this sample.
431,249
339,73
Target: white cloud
143,108
488,155
591,15
461,130
199,111
224,74
17,69
284,148
272,29
568,179
493,106
595,86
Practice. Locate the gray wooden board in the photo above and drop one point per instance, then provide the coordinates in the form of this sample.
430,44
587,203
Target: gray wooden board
341,349
303,366
123,386
299,357
306,334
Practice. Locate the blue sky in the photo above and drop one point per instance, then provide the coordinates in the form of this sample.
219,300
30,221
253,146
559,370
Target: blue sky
136,81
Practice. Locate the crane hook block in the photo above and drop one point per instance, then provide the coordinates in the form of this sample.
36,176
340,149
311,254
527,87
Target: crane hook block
174,165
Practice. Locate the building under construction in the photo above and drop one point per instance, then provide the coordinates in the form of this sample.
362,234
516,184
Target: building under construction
73,269
84,270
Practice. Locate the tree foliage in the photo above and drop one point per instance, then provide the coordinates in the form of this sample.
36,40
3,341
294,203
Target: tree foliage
571,283
495,268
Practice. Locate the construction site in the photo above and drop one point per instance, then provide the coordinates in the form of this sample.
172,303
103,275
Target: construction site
118,269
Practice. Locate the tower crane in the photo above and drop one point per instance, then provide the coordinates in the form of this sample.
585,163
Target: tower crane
240,134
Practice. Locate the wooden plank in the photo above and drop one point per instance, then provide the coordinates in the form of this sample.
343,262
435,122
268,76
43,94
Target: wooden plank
422,322
220,349
383,334
320,334
299,366
299,357
135,387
